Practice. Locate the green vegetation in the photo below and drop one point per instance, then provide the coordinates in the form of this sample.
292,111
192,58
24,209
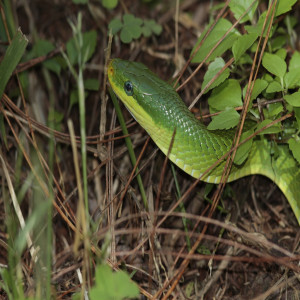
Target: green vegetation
76,220
132,28
280,76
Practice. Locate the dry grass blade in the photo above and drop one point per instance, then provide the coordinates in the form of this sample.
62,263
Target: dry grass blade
181,247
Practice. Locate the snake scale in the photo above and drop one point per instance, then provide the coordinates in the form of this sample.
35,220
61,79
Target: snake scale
158,108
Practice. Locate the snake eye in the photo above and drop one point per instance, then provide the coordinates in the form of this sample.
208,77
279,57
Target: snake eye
128,87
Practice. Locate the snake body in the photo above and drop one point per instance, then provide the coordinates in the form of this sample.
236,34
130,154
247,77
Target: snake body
158,108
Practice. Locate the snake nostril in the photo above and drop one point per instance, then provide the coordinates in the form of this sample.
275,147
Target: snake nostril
110,71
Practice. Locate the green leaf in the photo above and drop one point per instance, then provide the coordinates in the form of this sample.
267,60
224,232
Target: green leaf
146,31
245,59
112,285
295,61
273,129
282,53
115,25
55,119
13,55
131,28
125,35
284,6
216,34
278,42
109,4
73,98
243,150
267,77
92,84
212,70
43,47
274,110
294,146
89,41
274,64
53,65
228,94
259,26
258,87
238,7
150,26
293,99
80,1
242,43
274,87
89,44
290,21
228,118
292,78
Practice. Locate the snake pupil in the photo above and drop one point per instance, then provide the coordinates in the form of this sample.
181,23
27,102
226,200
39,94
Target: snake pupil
128,87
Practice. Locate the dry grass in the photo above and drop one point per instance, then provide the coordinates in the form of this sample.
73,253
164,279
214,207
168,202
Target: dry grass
247,248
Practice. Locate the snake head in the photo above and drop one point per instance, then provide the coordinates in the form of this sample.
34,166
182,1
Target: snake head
148,98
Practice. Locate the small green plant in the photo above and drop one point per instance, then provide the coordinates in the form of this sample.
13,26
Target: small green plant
110,4
111,285
132,28
278,77
227,93
43,47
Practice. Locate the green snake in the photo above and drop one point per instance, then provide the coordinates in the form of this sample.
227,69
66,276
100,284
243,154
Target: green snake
158,108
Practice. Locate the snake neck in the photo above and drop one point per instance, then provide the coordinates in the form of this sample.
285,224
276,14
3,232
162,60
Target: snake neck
190,145
159,109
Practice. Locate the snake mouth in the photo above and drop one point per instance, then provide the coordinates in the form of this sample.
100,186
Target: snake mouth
110,69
